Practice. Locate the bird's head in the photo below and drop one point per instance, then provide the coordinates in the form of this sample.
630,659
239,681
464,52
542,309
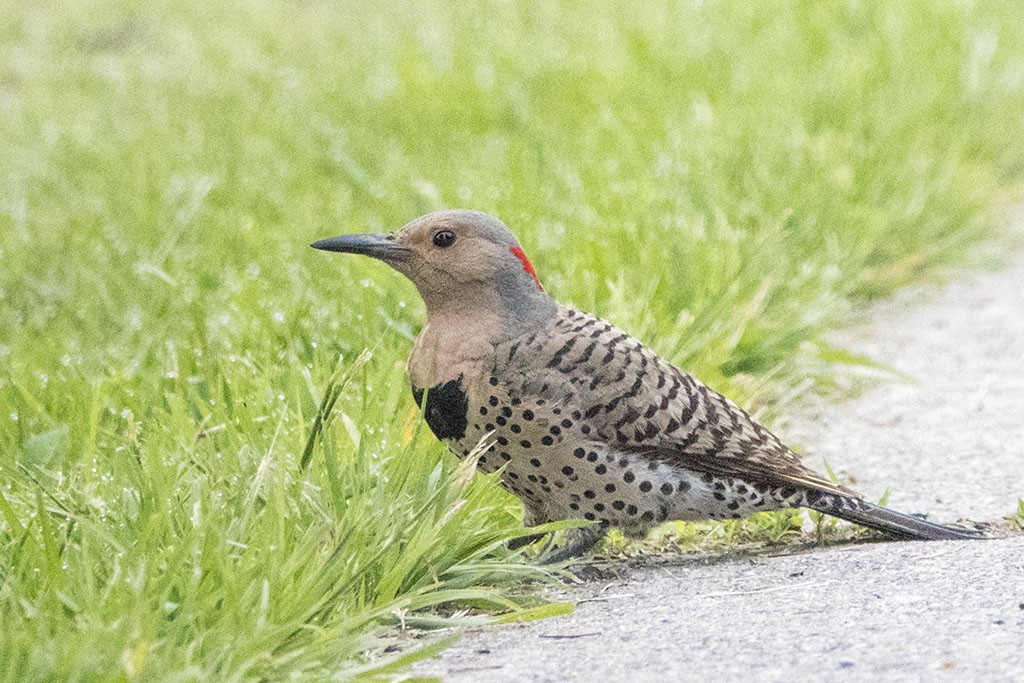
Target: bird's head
459,260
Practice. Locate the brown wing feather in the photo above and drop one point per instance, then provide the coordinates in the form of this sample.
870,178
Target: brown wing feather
631,398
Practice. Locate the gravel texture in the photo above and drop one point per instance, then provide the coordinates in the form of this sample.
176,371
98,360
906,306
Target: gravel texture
948,441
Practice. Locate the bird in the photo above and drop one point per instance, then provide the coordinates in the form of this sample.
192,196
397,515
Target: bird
582,420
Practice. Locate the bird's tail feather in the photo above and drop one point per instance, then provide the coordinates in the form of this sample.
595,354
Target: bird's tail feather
897,523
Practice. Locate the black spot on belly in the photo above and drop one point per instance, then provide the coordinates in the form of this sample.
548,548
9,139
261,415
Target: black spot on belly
445,409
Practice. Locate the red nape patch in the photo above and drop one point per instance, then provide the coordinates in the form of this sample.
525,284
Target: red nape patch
527,266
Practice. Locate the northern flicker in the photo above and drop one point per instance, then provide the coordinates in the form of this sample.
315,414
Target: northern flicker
585,421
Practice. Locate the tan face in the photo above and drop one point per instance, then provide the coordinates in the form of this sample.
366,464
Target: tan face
463,259
464,249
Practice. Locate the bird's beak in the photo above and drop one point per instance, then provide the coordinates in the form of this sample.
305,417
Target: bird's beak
383,247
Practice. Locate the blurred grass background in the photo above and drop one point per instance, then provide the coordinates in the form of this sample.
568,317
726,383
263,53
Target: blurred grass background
724,180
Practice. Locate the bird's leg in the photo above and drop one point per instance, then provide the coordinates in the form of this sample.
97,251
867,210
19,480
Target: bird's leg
578,542
532,516
517,543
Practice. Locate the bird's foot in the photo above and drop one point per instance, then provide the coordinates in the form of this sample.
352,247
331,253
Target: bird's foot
577,542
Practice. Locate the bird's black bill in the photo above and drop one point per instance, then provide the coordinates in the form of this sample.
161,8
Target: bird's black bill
383,247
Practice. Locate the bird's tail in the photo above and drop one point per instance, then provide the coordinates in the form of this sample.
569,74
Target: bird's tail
896,523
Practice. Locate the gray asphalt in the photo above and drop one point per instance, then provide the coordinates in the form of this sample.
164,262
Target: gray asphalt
949,441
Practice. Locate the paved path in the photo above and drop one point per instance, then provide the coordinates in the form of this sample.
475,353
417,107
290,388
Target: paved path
951,443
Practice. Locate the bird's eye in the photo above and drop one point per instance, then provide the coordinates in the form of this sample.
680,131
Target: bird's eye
444,238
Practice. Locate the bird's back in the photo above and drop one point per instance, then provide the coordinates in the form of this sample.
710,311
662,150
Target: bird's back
588,422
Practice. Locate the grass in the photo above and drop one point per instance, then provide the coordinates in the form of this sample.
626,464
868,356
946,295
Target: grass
725,180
